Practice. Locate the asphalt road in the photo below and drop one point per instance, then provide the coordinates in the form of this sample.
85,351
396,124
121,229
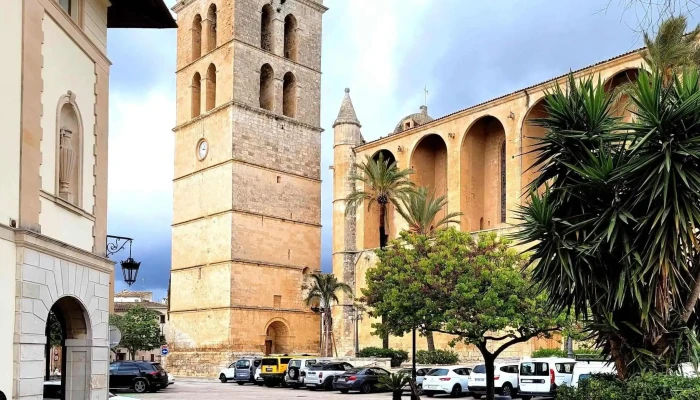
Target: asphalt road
200,389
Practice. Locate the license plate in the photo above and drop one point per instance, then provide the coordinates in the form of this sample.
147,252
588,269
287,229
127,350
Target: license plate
341,379
268,369
479,379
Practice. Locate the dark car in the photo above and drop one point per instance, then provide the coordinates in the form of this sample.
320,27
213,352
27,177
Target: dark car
364,380
140,376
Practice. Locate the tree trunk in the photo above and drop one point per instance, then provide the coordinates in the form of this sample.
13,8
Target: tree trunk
490,385
327,334
385,338
618,357
132,354
430,340
382,226
692,300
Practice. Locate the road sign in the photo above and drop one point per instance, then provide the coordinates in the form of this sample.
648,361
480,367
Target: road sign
115,336
164,350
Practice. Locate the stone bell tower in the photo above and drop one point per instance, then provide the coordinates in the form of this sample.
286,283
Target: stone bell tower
346,136
247,189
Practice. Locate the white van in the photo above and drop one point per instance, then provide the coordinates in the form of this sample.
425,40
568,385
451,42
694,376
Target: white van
542,376
584,369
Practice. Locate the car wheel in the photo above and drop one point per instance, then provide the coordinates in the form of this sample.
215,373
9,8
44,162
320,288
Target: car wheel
430,394
222,378
241,383
140,386
476,396
525,397
456,390
507,390
344,391
366,388
419,390
328,383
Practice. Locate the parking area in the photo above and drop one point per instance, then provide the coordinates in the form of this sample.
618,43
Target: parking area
200,389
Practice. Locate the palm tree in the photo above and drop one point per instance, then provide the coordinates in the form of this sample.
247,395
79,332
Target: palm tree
672,49
383,183
420,211
323,292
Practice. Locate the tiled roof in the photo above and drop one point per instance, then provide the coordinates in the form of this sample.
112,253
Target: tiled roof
141,295
420,118
124,307
347,114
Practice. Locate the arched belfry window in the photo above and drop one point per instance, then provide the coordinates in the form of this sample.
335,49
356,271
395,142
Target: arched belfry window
289,96
69,147
211,87
196,91
503,181
267,87
290,37
211,29
266,28
196,37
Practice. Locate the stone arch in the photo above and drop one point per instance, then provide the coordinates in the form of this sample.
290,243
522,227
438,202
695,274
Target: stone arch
481,180
72,319
196,36
211,87
289,95
267,87
429,161
277,337
211,28
621,105
376,235
69,150
290,37
531,134
196,94
266,17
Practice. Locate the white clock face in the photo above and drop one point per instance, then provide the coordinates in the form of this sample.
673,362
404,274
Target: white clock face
203,149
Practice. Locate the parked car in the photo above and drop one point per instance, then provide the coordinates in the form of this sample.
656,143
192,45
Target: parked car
364,380
141,376
323,374
273,369
453,380
296,371
258,378
421,372
505,380
242,370
171,378
584,370
542,376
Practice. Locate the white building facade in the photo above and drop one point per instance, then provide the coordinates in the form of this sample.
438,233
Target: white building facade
53,189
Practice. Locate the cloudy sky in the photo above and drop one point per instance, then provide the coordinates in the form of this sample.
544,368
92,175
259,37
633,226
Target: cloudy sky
386,51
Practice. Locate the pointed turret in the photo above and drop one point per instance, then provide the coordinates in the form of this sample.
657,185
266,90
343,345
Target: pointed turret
347,115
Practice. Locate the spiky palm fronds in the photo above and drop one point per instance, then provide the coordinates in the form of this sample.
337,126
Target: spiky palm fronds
420,210
671,49
324,290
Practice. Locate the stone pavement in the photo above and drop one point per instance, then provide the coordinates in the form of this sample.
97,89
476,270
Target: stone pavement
209,389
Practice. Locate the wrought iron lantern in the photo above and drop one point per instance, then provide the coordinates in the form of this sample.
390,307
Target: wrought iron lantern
130,267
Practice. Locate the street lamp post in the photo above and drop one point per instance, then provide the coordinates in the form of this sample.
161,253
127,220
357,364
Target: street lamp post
130,267
413,362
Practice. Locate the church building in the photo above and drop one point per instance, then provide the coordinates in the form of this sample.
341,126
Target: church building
474,156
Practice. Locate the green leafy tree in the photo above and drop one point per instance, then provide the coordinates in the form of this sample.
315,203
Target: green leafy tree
140,330
420,210
613,229
475,290
323,293
671,49
55,330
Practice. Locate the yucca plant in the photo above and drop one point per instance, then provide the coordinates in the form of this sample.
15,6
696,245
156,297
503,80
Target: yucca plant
614,228
383,183
395,383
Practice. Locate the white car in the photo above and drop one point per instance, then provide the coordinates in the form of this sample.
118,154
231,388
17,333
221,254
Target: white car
258,378
453,380
542,376
296,371
584,369
322,375
505,380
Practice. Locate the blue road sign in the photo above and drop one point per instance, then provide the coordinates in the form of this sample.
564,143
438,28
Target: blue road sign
164,351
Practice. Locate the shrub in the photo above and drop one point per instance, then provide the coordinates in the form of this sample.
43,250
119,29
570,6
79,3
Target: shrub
648,387
397,356
445,357
561,353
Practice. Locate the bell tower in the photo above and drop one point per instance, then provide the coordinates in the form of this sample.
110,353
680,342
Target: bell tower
247,189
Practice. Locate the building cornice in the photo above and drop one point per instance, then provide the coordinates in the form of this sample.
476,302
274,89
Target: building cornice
314,4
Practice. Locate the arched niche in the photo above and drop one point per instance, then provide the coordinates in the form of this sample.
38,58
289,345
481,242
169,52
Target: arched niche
211,30
266,17
290,37
69,160
277,337
267,87
289,95
482,157
616,85
196,37
429,161
211,87
377,234
531,134
196,94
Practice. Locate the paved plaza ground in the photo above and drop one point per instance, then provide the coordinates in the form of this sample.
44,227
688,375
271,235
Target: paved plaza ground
186,389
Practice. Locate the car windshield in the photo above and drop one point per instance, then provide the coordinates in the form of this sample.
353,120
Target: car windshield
353,371
295,363
583,377
243,364
534,369
438,372
269,361
479,369
157,366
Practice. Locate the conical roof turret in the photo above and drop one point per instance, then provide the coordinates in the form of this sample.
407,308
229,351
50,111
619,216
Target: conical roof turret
347,115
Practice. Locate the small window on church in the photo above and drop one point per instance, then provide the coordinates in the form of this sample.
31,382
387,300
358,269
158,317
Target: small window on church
277,301
407,124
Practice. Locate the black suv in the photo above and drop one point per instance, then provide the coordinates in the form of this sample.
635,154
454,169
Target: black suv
138,375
